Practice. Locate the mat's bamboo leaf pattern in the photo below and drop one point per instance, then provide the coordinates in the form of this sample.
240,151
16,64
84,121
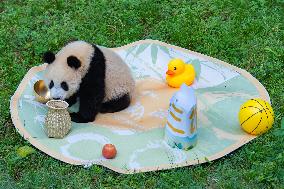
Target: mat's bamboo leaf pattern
130,50
197,67
154,53
141,48
165,50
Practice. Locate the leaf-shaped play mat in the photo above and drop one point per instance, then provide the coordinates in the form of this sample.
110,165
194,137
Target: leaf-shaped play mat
138,131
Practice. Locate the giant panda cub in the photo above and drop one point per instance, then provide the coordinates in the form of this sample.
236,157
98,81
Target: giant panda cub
95,76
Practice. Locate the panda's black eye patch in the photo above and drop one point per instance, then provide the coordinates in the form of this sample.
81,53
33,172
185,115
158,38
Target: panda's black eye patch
51,84
64,86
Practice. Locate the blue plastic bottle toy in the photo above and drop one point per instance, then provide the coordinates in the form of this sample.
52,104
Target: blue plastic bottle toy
181,126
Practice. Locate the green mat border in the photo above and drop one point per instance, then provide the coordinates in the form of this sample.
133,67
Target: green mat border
21,129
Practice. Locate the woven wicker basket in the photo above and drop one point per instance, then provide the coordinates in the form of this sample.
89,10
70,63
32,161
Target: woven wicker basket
57,121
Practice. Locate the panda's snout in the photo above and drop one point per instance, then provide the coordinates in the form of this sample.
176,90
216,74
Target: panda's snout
57,93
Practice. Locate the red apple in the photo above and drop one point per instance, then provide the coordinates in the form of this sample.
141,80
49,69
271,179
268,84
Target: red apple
109,151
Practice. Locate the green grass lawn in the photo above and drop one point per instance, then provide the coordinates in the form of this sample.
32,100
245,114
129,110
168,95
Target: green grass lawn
248,34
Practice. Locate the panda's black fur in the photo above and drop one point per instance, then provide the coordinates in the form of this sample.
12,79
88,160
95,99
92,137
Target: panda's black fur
91,92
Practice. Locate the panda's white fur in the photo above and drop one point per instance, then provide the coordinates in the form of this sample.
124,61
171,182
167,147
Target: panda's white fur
118,78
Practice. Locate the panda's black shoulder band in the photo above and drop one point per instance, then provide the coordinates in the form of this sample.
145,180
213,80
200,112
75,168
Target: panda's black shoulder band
92,88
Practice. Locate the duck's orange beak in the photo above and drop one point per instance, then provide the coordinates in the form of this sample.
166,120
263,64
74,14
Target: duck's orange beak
170,72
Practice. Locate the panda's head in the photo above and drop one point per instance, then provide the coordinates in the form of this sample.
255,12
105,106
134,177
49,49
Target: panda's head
66,69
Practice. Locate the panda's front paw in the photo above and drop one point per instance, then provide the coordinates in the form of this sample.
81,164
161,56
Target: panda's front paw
76,117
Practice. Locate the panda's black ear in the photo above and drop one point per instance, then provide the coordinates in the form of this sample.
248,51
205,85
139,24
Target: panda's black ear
73,62
48,57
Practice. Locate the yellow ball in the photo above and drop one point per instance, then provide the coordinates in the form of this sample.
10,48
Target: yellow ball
256,116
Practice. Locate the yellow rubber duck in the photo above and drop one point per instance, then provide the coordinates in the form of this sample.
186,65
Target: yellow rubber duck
179,72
